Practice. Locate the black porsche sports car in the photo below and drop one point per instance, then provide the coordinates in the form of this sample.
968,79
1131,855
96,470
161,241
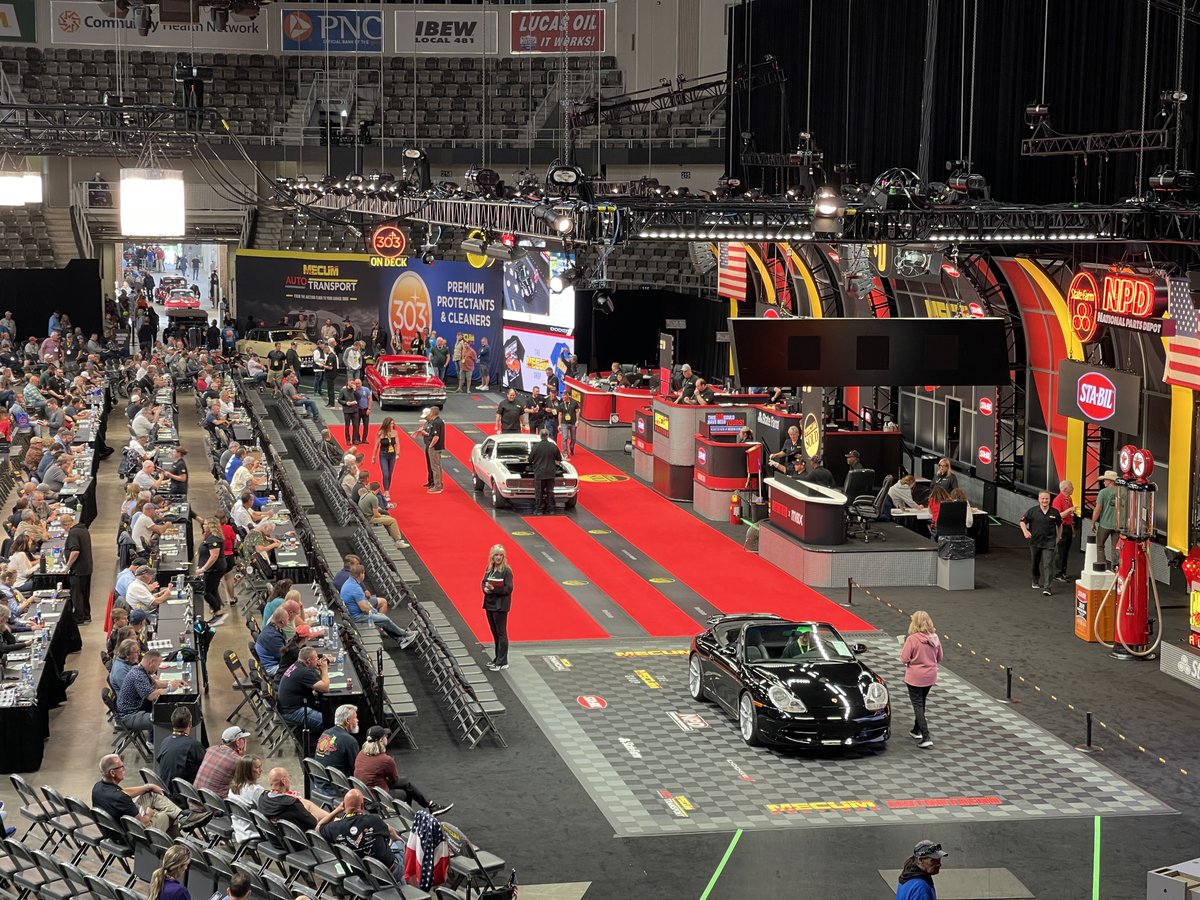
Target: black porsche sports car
790,683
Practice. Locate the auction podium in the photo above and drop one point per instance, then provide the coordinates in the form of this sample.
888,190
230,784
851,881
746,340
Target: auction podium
719,473
604,415
643,444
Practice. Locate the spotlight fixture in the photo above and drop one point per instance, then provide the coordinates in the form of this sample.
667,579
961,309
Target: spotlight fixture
487,181
829,210
562,222
1168,181
1037,114
427,256
564,279
568,180
971,185
603,302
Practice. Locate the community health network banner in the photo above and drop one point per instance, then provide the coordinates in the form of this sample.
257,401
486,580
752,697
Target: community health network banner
272,283
97,24
449,298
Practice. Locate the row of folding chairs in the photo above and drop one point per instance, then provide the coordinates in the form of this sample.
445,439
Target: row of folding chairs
467,696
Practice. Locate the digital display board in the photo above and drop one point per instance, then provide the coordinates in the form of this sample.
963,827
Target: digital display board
528,298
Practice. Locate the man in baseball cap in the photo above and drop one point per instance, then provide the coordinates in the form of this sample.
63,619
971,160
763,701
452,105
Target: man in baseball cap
216,770
916,878
1104,520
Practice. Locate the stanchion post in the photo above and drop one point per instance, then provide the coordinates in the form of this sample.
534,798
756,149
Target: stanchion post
1088,747
1008,679
849,591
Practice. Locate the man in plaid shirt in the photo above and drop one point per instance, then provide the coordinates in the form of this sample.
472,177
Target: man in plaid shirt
216,771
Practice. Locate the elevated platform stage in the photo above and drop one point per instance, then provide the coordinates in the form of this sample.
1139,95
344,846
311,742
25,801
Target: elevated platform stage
901,558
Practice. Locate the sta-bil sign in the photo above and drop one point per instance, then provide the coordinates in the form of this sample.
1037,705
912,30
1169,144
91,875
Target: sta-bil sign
1121,299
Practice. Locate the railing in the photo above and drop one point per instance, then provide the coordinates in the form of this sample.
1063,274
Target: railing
99,196
83,234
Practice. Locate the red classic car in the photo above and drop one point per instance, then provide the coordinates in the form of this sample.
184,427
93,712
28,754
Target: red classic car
168,283
181,298
405,380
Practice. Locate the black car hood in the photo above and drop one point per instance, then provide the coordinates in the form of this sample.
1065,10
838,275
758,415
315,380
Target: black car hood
819,684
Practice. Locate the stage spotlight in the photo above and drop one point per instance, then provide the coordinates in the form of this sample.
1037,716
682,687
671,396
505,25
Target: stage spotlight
563,223
564,279
603,302
827,202
1168,181
427,256
971,185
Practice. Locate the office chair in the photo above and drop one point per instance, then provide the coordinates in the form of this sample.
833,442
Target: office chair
865,509
952,518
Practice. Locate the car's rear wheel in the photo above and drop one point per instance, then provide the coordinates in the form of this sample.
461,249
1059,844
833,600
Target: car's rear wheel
498,501
570,502
696,678
748,721
479,485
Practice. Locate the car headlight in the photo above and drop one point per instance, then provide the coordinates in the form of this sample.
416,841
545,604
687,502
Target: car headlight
785,699
875,696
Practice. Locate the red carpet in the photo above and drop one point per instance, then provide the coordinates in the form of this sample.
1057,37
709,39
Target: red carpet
713,565
453,535
653,611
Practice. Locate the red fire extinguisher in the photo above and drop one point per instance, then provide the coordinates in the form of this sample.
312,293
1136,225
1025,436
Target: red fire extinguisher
735,508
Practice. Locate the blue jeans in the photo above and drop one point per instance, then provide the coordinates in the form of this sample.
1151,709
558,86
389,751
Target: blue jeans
302,714
383,623
318,381
387,462
311,407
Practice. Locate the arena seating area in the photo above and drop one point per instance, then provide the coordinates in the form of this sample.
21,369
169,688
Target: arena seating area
24,239
439,99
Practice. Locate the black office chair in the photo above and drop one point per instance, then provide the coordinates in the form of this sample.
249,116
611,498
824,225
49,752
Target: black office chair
952,518
864,510
859,482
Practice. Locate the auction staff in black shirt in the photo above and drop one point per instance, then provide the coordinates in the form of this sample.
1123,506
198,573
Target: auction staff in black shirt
702,394
791,446
816,473
509,414
569,416
276,361
536,410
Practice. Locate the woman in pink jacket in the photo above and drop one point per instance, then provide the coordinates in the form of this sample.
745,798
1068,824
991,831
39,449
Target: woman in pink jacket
921,654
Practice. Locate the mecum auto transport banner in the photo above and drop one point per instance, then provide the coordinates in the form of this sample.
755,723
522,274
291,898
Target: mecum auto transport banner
272,284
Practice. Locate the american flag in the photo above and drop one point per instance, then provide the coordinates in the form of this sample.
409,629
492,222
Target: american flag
1183,350
731,271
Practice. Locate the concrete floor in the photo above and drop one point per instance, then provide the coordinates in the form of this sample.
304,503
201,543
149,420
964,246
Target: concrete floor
79,732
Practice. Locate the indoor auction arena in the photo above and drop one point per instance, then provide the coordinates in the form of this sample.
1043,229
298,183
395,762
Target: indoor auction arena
685,449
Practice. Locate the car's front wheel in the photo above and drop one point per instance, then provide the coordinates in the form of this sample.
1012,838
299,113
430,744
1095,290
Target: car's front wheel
696,678
748,721
498,501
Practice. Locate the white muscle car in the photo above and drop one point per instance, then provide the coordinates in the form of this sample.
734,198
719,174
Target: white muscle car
501,464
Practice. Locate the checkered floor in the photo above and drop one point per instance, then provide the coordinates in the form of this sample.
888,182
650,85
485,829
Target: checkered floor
657,762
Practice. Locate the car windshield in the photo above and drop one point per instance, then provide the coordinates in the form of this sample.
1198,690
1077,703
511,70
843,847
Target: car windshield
403,370
515,452
788,642
288,335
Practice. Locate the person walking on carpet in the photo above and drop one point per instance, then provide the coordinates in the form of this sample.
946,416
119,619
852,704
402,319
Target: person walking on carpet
921,654
385,451
497,601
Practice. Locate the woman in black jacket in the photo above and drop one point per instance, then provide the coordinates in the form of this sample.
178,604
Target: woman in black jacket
497,600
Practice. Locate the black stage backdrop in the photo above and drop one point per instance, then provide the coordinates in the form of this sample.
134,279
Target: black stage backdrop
32,294
1093,83
630,333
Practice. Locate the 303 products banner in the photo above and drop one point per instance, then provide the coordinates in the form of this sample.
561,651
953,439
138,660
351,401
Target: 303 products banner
450,298
337,286
527,356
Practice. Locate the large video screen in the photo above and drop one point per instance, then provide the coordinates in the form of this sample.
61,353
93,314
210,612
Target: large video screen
528,354
527,295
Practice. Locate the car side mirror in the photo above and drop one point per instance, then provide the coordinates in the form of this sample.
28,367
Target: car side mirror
859,648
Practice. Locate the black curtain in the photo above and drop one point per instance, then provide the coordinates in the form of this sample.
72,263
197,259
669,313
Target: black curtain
867,79
32,294
630,333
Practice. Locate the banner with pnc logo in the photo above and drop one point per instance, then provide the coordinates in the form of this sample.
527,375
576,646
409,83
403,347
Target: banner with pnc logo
314,30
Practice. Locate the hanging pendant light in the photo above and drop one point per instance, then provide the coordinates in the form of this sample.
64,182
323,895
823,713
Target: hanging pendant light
152,203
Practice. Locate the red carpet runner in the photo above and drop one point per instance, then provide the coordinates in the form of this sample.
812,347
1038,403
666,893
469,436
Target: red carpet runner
452,535
713,565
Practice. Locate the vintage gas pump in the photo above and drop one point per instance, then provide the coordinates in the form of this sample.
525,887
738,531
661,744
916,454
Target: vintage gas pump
1135,522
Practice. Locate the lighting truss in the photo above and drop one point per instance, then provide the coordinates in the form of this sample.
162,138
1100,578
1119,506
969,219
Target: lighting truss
1099,142
94,129
683,92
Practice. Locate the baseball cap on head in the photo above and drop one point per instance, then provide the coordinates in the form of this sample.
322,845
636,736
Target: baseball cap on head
929,850
233,733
